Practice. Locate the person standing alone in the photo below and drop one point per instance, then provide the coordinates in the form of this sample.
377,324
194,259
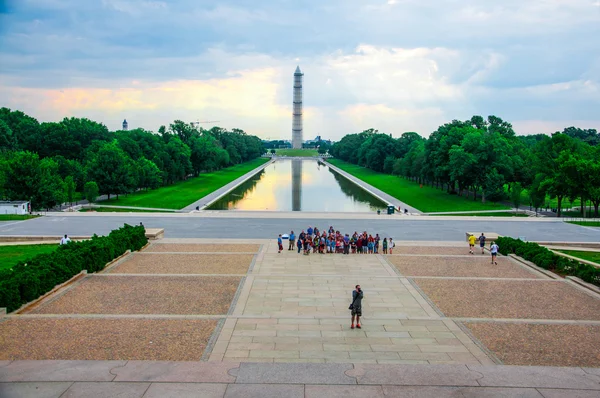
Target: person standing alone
280,243
356,306
292,241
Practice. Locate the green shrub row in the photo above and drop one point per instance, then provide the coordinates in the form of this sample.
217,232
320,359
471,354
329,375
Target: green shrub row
34,277
544,258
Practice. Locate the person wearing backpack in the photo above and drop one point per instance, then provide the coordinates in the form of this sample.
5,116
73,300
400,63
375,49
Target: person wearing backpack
356,306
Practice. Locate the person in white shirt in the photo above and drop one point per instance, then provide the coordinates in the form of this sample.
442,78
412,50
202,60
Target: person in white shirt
65,240
494,250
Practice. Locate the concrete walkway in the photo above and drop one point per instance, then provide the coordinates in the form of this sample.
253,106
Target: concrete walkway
374,191
208,199
147,379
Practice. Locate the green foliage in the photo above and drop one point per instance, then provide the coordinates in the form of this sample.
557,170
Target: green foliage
28,280
119,162
91,191
70,188
586,223
544,258
297,152
422,197
273,151
183,193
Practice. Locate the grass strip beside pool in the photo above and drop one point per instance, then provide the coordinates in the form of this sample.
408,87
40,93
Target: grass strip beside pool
120,210
498,214
10,255
181,194
586,223
589,256
426,199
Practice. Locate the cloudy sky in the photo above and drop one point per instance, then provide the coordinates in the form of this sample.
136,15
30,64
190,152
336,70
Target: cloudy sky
394,65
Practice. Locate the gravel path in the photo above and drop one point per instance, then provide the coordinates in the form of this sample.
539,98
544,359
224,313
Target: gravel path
138,263
541,345
201,248
104,339
510,299
146,295
436,250
459,266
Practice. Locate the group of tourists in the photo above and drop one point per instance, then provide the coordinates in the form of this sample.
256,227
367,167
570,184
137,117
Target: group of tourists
332,241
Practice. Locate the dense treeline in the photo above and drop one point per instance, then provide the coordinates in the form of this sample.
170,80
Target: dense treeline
48,163
480,157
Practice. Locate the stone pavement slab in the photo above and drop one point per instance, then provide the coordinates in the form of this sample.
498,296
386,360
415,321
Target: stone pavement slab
296,373
59,371
560,393
106,390
264,391
167,371
33,389
459,392
343,391
433,375
186,390
536,376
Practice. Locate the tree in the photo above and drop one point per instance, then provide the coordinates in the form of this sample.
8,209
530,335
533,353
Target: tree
273,151
515,194
91,191
111,168
7,138
70,188
149,175
51,189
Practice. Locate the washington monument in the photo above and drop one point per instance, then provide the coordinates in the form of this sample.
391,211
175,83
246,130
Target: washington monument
297,116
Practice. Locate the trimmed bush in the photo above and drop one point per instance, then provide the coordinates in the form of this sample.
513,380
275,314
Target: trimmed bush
544,258
32,278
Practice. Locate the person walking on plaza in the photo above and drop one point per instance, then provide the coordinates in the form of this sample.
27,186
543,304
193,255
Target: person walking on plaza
65,240
299,244
356,306
482,242
391,245
385,245
471,243
494,250
280,243
292,241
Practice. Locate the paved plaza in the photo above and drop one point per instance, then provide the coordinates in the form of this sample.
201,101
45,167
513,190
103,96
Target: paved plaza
235,317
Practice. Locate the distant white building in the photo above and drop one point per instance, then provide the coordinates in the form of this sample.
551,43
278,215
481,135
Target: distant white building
16,207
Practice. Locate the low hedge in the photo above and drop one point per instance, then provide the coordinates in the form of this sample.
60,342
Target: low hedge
32,278
544,258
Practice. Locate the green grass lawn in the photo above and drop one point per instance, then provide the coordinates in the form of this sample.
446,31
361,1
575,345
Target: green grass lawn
586,223
11,255
499,214
297,152
14,217
426,199
589,256
119,210
183,193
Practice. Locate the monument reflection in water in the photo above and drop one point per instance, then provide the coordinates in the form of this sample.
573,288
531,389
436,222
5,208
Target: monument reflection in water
299,185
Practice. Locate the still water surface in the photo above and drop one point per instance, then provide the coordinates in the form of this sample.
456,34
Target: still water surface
298,185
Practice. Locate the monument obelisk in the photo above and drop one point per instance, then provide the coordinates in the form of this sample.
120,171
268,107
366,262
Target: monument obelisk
297,115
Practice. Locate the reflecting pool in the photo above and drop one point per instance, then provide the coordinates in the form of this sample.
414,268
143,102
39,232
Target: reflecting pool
299,185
